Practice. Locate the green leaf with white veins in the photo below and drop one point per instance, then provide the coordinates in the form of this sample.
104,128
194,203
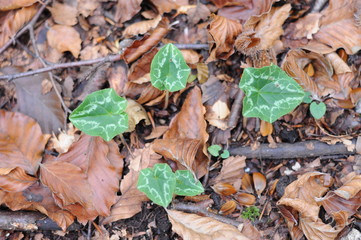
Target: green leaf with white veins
186,185
169,71
270,93
101,114
157,183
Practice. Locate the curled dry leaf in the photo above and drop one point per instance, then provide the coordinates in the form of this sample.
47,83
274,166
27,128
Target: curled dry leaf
64,14
130,202
245,199
224,189
141,27
16,180
126,9
189,123
12,21
142,66
228,207
136,113
217,114
259,182
304,27
350,188
22,142
231,171
191,226
70,40
191,56
7,5
202,72
223,32
64,140
146,92
247,183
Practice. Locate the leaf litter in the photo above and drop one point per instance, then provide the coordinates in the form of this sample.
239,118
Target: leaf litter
79,178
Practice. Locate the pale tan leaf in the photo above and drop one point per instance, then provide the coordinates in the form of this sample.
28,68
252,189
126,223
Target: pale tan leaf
266,128
217,114
6,5
191,56
189,123
223,31
129,203
304,27
193,227
87,7
64,140
126,9
165,6
259,182
21,142
202,72
141,27
12,21
70,40
16,180
136,113
64,14
231,171
338,64
157,132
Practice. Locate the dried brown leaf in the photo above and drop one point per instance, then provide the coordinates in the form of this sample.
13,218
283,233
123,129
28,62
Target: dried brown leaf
200,12
6,5
245,199
157,132
304,27
218,113
16,180
12,21
231,171
141,27
87,7
228,207
69,40
223,31
259,182
247,183
350,188
64,14
191,56
189,123
191,226
145,92
22,142
136,113
129,203
266,128
224,189
164,6
142,66
117,77
202,72
126,9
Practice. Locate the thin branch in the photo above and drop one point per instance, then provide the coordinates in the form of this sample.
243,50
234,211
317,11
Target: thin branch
236,109
27,27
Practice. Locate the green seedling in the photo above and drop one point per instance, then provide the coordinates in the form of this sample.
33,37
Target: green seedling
169,71
318,110
251,213
270,93
215,149
101,114
160,184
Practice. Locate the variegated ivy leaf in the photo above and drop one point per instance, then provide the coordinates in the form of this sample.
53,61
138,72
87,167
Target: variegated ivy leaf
101,114
168,70
270,93
157,183
186,185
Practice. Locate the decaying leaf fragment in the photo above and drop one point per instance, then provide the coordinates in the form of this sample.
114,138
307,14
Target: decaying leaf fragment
191,226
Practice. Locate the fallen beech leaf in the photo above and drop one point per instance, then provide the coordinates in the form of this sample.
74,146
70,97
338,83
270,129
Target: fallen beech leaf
304,27
224,189
250,231
247,183
191,56
245,199
22,142
64,14
141,27
228,207
126,9
129,203
223,31
231,171
182,151
338,29
12,21
117,77
259,182
217,114
64,139
157,132
200,12
147,92
192,226
87,7
202,72
70,40
16,180
189,123
142,66
7,5
136,113
168,5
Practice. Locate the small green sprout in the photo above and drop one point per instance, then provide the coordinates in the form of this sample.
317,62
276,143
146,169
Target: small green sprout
102,113
318,110
251,213
215,149
160,184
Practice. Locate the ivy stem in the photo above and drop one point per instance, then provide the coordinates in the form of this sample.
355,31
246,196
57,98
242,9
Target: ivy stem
166,102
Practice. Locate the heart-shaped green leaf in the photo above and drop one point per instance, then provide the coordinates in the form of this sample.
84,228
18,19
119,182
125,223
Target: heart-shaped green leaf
101,114
157,183
186,185
214,150
318,110
270,93
168,70
225,154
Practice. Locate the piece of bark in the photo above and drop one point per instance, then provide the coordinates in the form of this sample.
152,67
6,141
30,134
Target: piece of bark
304,149
29,221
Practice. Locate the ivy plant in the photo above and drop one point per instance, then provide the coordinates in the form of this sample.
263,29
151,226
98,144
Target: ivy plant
168,70
270,93
160,184
101,114
215,149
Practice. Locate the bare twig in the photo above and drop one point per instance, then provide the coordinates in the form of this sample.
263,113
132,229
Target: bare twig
236,109
191,46
27,27
292,150
200,208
